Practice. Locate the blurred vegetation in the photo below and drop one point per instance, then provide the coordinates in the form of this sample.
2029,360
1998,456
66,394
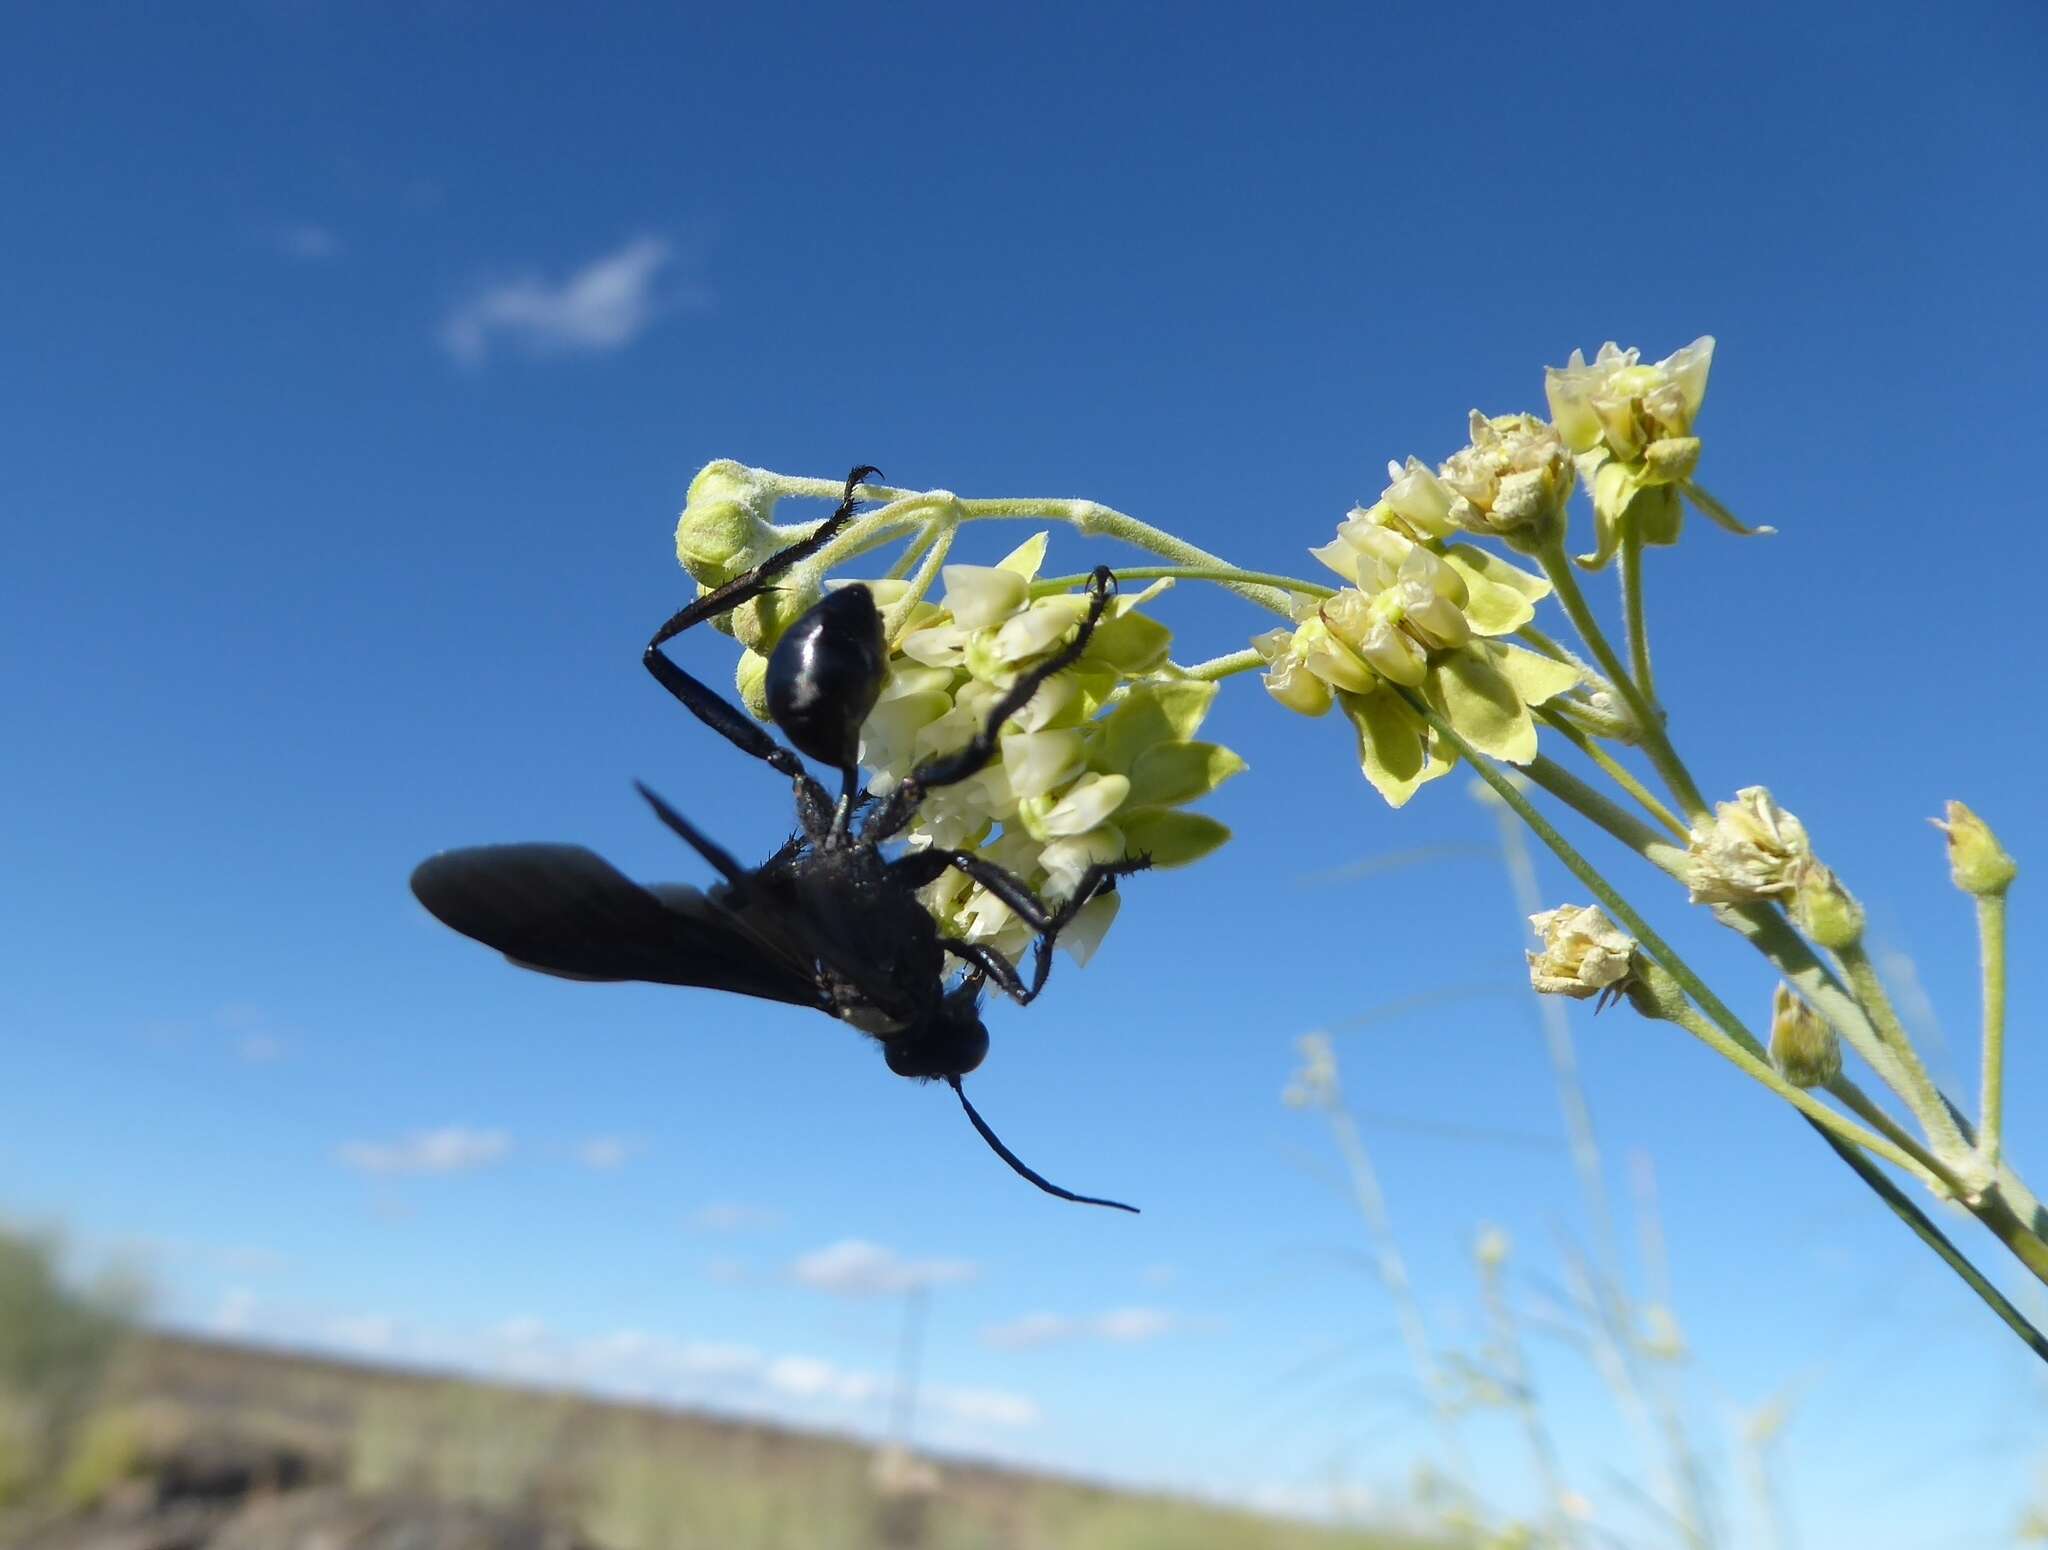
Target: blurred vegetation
59,1346
97,1417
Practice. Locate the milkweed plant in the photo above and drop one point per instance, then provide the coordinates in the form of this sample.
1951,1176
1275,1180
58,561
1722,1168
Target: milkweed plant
1449,626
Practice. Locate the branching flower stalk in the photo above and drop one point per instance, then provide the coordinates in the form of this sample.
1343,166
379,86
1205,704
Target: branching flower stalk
1431,647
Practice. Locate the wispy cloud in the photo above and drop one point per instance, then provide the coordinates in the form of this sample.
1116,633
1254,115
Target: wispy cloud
1122,1326
450,1149
731,1216
307,242
603,306
601,1154
853,1268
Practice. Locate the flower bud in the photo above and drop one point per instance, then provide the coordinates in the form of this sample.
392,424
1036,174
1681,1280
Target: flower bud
1803,1047
1824,909
1288,678
750,681
1977,862
725,527
1584,953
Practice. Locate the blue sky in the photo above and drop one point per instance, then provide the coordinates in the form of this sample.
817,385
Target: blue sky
356,361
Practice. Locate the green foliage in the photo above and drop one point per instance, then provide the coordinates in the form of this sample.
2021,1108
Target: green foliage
57,1345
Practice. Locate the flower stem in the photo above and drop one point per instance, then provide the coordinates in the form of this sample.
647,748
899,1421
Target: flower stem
1634,625
1591,805
1860,1103
1740,1048
1655,743
1223,575
1932,1236
1228,666
1993,1210
1907,1076
1614,769
1991,1107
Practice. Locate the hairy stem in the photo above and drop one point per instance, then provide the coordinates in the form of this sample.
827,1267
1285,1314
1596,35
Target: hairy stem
1615,770
1991,947
1634,625
1655,744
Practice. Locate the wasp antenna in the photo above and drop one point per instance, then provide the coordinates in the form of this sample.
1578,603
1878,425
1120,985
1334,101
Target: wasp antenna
1017,1163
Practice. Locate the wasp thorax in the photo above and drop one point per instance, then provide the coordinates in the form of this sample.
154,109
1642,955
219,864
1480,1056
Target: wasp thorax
826,673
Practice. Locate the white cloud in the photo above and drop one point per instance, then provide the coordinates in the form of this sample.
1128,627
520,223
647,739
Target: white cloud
303,240
605,305
806,1377
853,1268
991,1407
373,1334
259,1049
603,1153
730,1216
447,1150
1125,1326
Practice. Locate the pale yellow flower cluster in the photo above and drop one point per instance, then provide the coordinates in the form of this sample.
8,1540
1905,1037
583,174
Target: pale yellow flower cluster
1420,614
1630,426
1095,768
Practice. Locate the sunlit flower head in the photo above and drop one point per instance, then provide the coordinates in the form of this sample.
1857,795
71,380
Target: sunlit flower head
1095,768
1623,405
1512,481
1753,849
1583,954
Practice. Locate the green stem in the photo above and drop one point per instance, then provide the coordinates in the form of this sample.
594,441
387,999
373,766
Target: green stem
1227,666
1991,1107
1655,744
1615,770
937,541
1740,1048
1929,1234
1635,626
906,507
1993,1210
1224,575
1902,1069
1591,805
1860,1103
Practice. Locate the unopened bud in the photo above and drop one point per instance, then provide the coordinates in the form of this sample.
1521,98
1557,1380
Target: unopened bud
1824,909
725,527
1803,1047
751,682
1977,862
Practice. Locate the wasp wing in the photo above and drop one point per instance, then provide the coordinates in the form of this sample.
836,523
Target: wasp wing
564,910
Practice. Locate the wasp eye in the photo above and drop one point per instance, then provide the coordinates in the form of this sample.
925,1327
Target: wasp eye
826,673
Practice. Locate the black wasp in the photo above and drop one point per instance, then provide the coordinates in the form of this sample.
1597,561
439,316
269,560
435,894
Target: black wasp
829,921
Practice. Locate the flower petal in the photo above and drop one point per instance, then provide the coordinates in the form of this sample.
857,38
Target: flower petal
1168,774
1481,704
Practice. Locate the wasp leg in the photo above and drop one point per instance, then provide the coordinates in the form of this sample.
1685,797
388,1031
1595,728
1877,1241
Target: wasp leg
951,768
924,866
730,723
991,964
